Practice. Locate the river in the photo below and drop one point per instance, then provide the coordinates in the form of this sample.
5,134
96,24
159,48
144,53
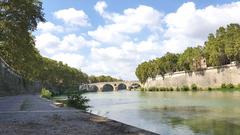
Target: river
172,113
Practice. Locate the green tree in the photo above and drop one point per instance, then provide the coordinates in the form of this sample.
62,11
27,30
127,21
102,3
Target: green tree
190,57
232,42
102,78
215,49
17,20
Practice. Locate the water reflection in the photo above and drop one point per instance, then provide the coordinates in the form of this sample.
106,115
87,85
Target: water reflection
182,113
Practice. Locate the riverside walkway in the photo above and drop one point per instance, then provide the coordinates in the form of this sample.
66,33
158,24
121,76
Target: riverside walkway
32,115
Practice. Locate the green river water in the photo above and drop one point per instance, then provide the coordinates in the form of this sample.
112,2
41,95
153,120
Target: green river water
172,113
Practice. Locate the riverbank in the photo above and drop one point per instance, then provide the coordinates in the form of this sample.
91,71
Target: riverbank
32,115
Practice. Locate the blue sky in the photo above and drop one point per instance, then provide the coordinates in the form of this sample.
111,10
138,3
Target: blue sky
112,37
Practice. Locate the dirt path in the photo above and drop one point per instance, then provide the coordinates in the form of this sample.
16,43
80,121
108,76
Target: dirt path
31,115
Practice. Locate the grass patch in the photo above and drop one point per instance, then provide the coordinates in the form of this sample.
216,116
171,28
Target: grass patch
226,89
194,87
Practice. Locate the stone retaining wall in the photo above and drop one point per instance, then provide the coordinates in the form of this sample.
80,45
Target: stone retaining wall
12,83
211,77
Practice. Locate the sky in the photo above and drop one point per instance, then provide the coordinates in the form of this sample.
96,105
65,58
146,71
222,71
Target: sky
111,37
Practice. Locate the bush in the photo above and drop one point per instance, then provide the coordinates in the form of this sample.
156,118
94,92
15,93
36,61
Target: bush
78,101
178,89
230,86
194,87
185,88
162,89
46,93
223,85
209,89
171,89
152,89
142,89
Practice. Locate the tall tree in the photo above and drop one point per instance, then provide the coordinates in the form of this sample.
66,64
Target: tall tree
17,20
189,57
232,42
215,49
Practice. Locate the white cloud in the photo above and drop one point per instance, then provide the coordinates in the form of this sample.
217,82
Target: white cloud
49,27
121,61
124,53
190,26
73,60
73,43
100,7
47,43
73,17
132,21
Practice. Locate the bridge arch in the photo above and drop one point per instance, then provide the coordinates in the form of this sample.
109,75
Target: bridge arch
121,86
134,86
107,87
93,88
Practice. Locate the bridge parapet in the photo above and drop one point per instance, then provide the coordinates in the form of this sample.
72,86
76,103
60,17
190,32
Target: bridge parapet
109,86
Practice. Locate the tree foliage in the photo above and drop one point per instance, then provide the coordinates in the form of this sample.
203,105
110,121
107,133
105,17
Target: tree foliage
158,66
221,48
18,19
189,57
102,78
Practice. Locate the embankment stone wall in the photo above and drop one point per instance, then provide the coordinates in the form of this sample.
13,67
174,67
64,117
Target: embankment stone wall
12,83
211,77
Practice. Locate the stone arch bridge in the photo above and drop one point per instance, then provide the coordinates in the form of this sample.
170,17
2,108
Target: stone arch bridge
110,86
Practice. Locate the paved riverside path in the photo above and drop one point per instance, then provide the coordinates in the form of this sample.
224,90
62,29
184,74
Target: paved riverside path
32,115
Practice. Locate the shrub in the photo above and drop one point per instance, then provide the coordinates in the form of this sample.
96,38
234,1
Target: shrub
223,85
46,93
178,89
162,89
185,88
230,86
171,89
209,88
194,87
142,89
78,101
151,89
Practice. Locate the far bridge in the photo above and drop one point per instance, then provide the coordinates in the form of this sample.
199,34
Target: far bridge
110,86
